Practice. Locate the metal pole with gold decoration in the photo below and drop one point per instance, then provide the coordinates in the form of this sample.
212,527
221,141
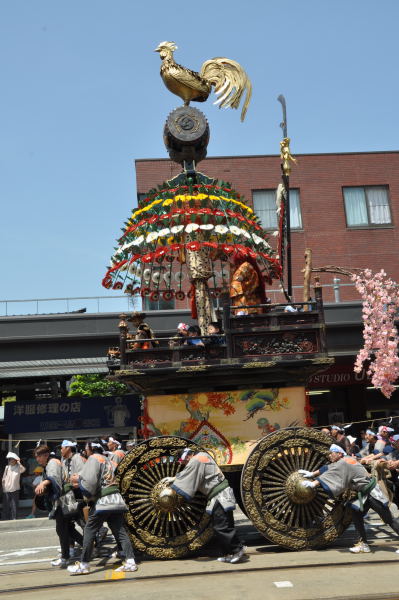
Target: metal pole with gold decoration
286,159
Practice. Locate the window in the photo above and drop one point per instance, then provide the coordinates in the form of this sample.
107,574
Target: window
367,206
160,304
141,197
265,207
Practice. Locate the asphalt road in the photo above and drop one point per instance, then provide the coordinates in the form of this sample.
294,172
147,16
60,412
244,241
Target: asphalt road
269,573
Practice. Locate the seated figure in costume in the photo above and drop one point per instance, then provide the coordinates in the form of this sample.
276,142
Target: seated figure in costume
346,473
143,332
202,474
246,288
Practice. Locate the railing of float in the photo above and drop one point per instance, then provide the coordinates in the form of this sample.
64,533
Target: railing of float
274,332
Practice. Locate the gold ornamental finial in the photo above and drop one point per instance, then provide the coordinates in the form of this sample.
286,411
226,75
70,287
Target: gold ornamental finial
122,323
227,76
286,156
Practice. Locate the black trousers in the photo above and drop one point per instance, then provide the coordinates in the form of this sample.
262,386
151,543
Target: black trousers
62,529
225,531
74,534
381,509
66,532
117,526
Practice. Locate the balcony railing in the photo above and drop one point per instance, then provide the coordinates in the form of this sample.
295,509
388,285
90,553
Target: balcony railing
272,334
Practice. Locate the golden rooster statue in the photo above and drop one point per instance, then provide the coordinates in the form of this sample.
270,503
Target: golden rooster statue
227,76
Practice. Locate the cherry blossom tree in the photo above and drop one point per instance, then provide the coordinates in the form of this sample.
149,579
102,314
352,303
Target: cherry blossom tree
380,296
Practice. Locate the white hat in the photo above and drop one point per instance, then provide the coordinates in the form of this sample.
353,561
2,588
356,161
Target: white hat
369,432
336,427
351,439
12,455
186,452
68,444
117,442
336,448
183,326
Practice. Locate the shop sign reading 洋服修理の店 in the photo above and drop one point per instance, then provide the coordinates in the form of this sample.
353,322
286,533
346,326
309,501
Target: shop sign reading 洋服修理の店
72,413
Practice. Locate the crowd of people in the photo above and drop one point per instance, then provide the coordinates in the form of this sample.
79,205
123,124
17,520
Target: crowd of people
80,492
186,335
368,466
78,489
190,335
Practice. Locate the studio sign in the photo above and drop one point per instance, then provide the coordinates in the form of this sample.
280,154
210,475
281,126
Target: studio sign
346,377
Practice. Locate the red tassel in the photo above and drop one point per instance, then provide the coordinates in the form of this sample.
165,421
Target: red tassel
194,314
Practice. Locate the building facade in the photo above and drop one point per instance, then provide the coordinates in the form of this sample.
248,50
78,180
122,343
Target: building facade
344,206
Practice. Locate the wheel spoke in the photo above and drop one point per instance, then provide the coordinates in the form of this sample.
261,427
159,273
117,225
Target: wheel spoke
268,476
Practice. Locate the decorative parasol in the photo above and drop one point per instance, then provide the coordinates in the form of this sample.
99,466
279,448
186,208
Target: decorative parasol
179,236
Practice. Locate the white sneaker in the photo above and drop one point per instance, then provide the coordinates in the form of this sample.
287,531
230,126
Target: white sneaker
127,566
360,548
59,562
225,559
79,568
238,556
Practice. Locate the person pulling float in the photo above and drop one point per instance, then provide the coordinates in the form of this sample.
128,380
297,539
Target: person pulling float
202,474
346,473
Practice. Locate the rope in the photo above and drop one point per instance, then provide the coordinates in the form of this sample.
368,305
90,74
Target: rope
347,425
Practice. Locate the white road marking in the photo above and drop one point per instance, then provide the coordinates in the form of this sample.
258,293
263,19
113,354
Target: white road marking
25,551
283,584
29,530
25,562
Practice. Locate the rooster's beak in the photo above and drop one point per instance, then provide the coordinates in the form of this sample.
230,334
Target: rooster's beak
157,49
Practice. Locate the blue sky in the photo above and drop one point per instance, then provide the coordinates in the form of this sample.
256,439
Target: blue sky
81,98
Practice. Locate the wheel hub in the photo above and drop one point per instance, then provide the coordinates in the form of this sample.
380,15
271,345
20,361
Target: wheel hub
164,498
296,492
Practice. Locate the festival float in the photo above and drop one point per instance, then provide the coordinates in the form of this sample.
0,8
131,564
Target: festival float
244,400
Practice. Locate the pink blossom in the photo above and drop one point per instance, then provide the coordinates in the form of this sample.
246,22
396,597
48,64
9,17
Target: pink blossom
380,297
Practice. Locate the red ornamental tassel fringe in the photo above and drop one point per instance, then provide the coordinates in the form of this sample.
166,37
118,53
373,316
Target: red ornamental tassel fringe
194,314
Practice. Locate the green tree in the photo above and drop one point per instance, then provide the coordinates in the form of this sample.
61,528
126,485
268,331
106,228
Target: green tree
96,385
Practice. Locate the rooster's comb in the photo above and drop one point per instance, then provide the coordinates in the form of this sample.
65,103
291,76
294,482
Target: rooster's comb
171,45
